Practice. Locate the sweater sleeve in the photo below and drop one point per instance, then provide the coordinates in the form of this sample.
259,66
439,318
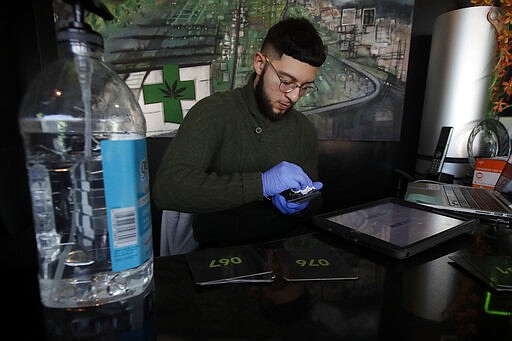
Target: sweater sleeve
183,181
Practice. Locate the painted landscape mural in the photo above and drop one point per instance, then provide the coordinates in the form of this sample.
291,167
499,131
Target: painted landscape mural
174,52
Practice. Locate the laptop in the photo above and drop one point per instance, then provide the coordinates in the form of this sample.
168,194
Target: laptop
483,203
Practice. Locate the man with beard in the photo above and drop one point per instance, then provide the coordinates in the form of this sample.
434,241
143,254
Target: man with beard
236,151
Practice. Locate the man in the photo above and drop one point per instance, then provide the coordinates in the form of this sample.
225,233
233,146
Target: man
236,151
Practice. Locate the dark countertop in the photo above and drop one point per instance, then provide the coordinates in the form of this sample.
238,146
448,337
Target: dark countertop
421,298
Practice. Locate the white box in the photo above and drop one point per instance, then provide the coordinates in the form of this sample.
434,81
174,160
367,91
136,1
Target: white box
487,171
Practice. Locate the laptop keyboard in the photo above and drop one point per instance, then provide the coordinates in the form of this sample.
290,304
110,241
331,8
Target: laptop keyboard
475,198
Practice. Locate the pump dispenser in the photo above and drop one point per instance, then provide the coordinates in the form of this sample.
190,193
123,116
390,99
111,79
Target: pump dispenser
85,147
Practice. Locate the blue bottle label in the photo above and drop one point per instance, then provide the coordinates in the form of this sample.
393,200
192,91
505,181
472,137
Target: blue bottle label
126,181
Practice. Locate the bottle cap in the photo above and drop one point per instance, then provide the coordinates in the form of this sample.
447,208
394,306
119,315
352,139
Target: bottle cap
78,30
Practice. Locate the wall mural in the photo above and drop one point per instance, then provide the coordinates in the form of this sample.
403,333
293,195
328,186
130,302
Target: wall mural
172,53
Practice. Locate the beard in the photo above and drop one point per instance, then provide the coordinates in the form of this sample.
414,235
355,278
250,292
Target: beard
263,101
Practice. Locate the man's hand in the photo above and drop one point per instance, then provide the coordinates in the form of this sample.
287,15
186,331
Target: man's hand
286,207
283,176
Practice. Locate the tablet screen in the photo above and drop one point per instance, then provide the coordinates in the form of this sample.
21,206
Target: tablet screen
396,224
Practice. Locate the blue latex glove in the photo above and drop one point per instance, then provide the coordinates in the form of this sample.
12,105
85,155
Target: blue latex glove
283,176
318,185
286,207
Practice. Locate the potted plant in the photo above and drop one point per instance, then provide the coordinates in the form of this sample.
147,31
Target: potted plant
500,91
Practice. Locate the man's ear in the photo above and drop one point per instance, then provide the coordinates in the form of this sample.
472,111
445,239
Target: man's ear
259,63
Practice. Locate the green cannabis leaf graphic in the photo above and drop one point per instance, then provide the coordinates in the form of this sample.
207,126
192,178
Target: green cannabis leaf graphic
172,91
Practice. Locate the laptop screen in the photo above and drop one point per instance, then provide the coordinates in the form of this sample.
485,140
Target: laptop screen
504,182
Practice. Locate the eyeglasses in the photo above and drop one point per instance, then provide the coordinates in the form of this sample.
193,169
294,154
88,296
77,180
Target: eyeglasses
287,86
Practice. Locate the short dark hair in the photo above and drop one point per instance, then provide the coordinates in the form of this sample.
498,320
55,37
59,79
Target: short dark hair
297,38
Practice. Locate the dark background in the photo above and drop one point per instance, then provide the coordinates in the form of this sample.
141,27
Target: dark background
353,172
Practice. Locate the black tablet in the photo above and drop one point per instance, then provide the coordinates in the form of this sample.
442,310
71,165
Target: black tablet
394,227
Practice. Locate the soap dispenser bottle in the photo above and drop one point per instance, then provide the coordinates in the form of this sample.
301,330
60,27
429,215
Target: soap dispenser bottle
84,136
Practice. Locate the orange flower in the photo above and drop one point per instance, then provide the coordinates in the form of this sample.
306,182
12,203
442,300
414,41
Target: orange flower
507,87
500,105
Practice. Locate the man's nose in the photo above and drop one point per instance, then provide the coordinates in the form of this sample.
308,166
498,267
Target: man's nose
294,94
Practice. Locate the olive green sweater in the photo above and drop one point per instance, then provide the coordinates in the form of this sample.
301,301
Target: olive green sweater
213,166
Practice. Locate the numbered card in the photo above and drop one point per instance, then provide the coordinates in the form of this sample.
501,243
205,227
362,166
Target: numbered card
242,264
313,265
495,271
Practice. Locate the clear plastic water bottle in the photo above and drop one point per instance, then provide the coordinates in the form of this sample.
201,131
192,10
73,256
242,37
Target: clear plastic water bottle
85,148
